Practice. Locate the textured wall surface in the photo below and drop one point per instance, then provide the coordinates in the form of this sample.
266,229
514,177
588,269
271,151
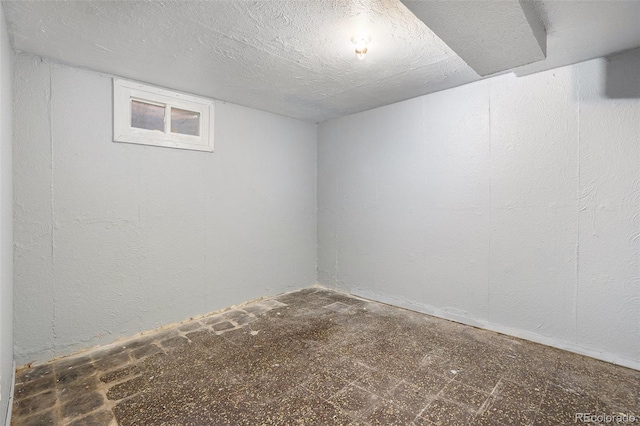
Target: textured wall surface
6,218
114,238
511,204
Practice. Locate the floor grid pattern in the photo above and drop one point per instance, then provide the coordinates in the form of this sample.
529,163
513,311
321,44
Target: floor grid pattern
321,357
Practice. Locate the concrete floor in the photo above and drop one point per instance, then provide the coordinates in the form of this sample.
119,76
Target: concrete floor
321,357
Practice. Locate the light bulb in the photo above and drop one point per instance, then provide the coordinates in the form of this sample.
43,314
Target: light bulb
361,43
361,53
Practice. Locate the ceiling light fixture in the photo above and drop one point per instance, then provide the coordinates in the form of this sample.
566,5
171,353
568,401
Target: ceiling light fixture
361,43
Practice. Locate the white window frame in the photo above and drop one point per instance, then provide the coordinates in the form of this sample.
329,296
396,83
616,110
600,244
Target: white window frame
124,91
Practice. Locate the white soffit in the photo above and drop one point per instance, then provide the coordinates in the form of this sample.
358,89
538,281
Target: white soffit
490,36
579,30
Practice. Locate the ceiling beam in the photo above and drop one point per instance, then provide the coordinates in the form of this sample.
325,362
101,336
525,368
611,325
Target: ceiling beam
491,36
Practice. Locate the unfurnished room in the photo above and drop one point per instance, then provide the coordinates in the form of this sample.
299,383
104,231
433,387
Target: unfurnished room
319,212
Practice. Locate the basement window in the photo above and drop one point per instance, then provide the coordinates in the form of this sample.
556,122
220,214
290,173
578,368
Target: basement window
152,116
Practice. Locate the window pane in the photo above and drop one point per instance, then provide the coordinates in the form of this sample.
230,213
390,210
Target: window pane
147,116
185,122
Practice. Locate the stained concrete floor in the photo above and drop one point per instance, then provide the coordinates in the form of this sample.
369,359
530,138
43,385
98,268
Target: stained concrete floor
320,357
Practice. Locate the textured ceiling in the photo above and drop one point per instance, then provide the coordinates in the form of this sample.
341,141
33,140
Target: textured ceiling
292,57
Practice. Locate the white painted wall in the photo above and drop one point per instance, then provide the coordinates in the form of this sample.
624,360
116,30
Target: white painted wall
511,204
6,218
114,238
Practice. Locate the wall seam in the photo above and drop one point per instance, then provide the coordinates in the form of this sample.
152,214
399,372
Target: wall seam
376,217
205,208
578,198
317,212
489,202
52,203
425,202
337,209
